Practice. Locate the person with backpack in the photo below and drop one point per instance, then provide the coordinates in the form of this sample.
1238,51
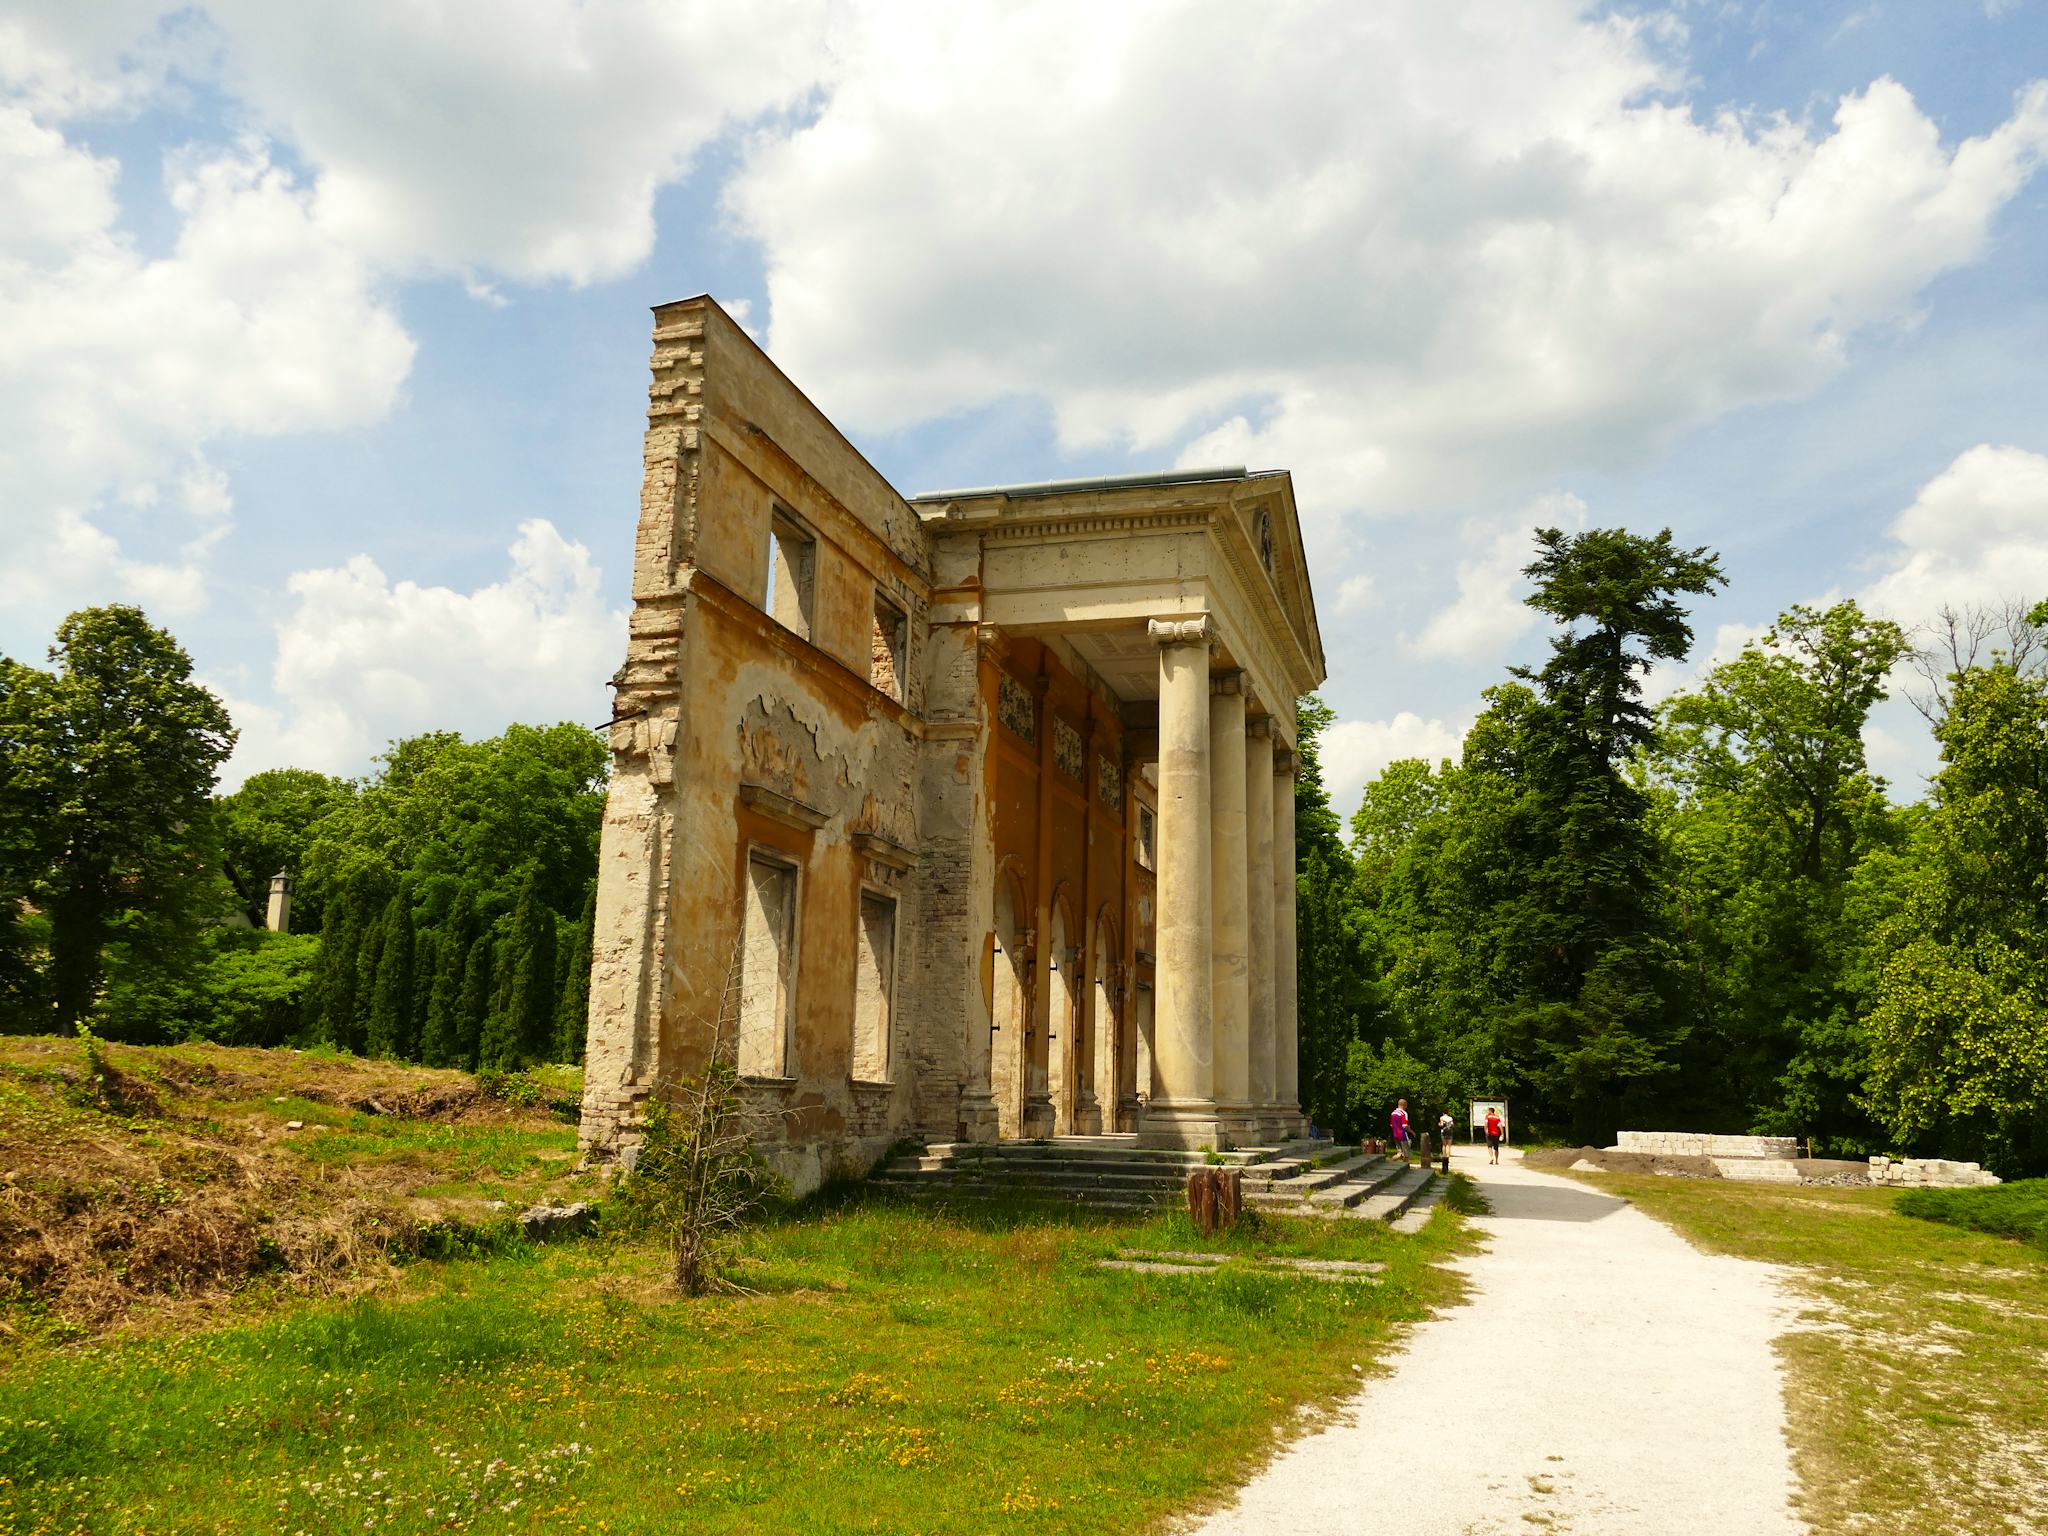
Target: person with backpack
1397,1126
1494,1131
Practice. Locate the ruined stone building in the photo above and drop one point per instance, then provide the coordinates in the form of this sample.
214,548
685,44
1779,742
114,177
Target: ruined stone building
969,815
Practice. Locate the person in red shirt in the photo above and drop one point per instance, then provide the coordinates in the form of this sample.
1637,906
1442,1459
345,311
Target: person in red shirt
1397,1123
1493,1135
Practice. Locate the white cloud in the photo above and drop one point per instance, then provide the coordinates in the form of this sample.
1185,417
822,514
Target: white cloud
1355,593
523,137
1354,751
362,661
116,368
1417,252
1666,679
1489,613
1976,533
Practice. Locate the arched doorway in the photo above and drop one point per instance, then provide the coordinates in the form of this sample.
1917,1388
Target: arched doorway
1006,1054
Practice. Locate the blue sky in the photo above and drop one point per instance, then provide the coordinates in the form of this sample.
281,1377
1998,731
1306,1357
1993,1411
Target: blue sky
325,337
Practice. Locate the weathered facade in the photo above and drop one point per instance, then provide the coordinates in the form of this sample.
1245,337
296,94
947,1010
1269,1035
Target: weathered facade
968,816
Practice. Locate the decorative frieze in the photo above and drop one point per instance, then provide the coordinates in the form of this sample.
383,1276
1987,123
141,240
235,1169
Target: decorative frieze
1109,782
1016,708
1067,754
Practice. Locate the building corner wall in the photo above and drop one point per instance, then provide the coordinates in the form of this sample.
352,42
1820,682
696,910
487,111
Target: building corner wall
629,949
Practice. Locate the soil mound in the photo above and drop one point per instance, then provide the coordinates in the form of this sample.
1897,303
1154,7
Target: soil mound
172,1177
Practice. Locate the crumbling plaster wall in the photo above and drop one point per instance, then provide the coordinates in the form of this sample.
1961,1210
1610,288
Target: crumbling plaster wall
732,732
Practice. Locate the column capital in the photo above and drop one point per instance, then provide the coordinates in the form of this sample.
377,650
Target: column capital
1283,760
1225,681
1260,728
1182,631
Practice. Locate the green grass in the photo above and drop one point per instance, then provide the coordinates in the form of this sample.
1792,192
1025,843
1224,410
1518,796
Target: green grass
1916,1396
2006,1210
894,1368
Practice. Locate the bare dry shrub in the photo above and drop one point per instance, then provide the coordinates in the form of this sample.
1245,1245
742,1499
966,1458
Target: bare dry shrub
698,1177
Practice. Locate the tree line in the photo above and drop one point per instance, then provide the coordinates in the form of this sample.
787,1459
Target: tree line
442,905
1708,914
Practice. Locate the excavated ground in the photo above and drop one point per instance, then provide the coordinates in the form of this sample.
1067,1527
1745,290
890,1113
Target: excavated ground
168,1181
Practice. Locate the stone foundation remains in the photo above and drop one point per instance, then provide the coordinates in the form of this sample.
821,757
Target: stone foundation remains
1690,1144
1929,1173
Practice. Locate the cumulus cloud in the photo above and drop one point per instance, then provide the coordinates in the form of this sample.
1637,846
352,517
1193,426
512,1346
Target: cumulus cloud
523,137
362,660
1417,252
117,368
1354,751
1489,613
1976,533
520,139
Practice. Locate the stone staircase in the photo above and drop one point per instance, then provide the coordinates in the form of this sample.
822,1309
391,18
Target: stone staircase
1114,1173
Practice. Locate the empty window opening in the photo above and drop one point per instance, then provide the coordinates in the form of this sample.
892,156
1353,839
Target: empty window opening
874,987
792,558
885,648
1147,854
767,967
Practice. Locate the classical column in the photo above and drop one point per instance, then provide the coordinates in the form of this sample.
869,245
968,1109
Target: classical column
1261,894
1183,1108
1229,958
1286,1034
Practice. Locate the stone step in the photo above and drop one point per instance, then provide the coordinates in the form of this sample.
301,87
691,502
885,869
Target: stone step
1360,1186
1026,1151
1416,1217
1399,1194
1299,1178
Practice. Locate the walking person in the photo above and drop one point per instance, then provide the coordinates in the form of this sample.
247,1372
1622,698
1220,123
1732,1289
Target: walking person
1444,1125
1397,1126
1494,1129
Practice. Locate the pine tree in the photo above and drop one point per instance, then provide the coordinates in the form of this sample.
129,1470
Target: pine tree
572,1020
534,997
388,1032
441,1033
369,957
426,959
330,1001
498,1046
473,1004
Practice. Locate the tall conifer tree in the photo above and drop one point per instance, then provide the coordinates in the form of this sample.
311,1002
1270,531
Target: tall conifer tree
573,1019
532,1003
369,958
389,1029
441,1034
473,1008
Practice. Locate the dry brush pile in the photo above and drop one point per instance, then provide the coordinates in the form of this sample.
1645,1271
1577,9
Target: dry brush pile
177,1178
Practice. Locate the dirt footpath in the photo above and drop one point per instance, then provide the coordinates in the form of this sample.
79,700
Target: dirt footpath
1606,1379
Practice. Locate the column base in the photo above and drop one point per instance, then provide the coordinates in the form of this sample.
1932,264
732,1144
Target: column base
1130,1112
1242,1125
1088,1118
1039,1120
1186,1124
978,1119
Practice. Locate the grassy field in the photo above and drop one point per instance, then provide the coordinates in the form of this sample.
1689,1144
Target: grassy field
1916,1384
888,1366
895,1369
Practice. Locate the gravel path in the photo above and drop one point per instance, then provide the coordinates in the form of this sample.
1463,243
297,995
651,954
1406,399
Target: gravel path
1606,1379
